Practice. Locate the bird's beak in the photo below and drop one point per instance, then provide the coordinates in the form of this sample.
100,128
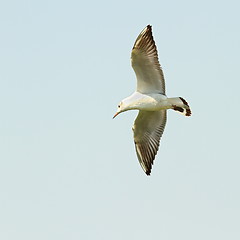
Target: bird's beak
116,114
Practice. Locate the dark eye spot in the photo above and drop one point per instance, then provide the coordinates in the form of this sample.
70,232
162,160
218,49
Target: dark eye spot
118,106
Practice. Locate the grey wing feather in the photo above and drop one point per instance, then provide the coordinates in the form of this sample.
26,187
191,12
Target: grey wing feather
148,129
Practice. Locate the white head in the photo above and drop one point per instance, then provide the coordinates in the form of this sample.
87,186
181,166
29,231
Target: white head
129,103
122,107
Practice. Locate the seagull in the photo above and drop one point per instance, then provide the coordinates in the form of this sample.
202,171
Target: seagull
150,99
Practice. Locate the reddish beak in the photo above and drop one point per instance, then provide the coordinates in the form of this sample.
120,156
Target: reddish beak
116,114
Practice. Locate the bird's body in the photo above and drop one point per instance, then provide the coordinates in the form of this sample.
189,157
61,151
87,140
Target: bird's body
150,99
151,102
148,102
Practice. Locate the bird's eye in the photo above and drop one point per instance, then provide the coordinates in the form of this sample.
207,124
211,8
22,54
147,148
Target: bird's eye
118,106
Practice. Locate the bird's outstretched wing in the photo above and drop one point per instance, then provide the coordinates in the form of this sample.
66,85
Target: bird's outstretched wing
148,129
145,63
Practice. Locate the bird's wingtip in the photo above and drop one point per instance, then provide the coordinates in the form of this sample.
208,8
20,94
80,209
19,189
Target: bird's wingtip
149,27
148,172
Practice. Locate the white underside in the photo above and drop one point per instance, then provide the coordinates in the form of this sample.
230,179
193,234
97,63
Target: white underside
148,102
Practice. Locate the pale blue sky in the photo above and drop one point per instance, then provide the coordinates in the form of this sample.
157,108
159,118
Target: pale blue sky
68,171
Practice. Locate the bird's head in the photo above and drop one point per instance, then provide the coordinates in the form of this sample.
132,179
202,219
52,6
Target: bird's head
122,107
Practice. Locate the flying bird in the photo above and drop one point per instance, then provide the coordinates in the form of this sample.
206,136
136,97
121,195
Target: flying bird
150,99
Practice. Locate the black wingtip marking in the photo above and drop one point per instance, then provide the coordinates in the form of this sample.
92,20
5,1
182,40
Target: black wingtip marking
147,32
176,108
184,101
149,27
188,110
148,172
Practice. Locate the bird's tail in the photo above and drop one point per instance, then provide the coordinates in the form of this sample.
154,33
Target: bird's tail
179,104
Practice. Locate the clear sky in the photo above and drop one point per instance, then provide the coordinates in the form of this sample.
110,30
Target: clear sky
68,171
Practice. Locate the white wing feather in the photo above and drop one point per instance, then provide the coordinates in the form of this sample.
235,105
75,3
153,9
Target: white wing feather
145,63
148,129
